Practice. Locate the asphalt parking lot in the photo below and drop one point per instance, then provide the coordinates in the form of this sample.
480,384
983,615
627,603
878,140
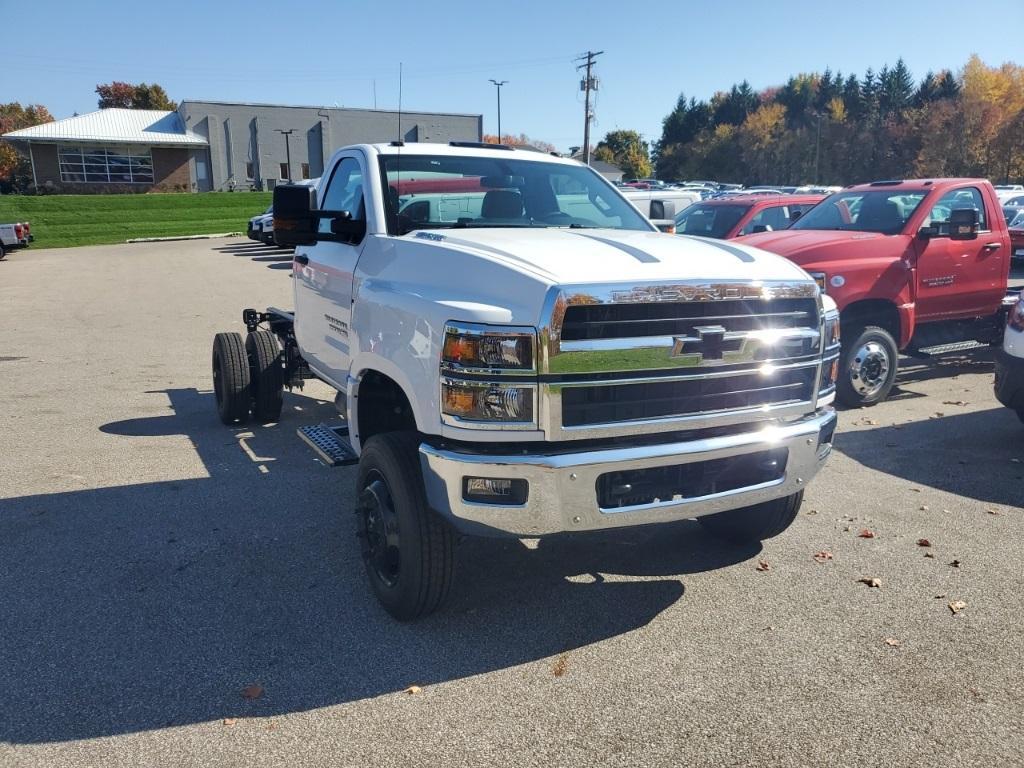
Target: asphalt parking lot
174,592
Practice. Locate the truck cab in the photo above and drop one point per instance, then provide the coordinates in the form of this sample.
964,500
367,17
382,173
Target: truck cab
918,266
518,351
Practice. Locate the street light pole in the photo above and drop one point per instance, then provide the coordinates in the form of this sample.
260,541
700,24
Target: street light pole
287,148
498,84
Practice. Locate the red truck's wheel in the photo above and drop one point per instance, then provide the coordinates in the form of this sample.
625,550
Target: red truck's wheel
407,549
231,378
756,523
867,367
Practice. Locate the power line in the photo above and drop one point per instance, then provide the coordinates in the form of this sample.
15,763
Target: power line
588,84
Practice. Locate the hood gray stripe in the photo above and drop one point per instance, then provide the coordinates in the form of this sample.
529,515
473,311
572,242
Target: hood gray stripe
636,253
732,249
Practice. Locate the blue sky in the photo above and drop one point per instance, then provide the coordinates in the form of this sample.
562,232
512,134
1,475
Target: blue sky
314,52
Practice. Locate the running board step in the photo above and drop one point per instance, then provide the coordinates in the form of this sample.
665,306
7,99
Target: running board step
959,346
330,443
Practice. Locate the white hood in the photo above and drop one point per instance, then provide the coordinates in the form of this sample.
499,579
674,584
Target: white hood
575,256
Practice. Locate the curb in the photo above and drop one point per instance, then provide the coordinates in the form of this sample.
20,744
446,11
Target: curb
183,237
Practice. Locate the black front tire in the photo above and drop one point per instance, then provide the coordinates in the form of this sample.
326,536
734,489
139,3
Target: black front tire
756,523
408,549
3,253
266,375
867,366
231,384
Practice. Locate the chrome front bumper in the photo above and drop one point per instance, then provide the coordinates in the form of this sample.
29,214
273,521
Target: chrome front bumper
563,487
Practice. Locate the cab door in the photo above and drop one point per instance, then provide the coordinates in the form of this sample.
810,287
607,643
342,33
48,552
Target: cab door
958,278
323,274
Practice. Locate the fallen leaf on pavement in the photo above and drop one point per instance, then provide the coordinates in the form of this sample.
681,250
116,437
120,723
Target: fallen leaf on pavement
923,543
924,507
955,563
230,720
993,511
811,512
893,642
929,554
822,556
253,691
874,583
956,606
866,533
561,665
954,402
763,565
412,689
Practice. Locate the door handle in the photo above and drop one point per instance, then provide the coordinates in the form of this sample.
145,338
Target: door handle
992,246
301,258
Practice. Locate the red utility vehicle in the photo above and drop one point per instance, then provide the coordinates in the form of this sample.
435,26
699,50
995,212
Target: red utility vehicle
731,217
919,266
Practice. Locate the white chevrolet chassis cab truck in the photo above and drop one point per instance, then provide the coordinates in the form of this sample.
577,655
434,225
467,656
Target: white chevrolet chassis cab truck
518,351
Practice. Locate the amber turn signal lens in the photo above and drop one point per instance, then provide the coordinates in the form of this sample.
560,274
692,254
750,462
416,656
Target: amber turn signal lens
461,349
459,401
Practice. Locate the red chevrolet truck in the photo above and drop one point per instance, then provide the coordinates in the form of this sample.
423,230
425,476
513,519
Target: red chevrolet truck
914,266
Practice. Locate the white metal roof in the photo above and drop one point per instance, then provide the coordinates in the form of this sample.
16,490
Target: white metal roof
121,126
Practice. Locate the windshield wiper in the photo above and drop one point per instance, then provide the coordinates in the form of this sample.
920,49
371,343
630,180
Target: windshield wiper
489,225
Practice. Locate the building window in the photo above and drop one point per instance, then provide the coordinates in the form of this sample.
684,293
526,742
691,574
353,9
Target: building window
123,165
305,170
285,173
250,171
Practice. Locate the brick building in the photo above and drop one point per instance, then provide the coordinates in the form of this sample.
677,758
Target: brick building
214,145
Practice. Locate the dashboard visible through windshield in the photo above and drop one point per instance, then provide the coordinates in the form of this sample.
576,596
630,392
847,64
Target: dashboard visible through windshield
882,211
451,191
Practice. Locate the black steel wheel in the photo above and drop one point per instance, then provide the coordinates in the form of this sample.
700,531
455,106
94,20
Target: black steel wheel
408,550
231,384
754,523
266,375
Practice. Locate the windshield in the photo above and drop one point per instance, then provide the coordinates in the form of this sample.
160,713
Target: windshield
709,220
883,211
446,191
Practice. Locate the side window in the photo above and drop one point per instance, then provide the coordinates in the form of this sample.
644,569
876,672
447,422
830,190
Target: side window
344,192
966,197
775,218
581,201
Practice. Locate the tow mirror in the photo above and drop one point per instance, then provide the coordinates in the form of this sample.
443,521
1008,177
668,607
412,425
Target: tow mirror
795,215
927,233
343,225
761,228
963,224
663,209
295,220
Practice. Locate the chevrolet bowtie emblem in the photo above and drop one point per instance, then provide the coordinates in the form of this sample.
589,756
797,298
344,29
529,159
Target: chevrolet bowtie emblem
710,343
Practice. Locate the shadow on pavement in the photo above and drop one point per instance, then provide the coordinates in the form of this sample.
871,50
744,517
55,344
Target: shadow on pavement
145,606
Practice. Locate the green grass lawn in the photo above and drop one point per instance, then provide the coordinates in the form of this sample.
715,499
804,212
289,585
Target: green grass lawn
61,221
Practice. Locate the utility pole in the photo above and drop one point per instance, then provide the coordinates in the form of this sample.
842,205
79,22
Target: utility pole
587,85
287,148
498,84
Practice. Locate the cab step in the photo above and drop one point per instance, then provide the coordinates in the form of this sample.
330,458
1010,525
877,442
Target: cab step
957,346
330,443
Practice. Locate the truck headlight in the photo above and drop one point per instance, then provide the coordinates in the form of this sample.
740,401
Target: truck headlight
489,348
1016,317
488,402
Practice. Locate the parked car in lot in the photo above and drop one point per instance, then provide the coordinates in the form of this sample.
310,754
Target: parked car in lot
255,228
1009,381
730,217
14,236
661,205
1006,191
1016,226
529,356
919,266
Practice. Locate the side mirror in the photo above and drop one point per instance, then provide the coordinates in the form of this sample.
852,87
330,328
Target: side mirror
295,220
761,228
795,215
662,209
343,225
963,224
927,233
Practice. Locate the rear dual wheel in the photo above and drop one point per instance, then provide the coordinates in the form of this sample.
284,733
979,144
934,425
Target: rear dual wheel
247,377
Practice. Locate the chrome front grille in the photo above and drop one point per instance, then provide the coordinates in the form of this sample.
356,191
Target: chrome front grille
666,357
587,322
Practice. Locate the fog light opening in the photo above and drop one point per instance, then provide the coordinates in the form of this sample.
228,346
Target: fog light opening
495,490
